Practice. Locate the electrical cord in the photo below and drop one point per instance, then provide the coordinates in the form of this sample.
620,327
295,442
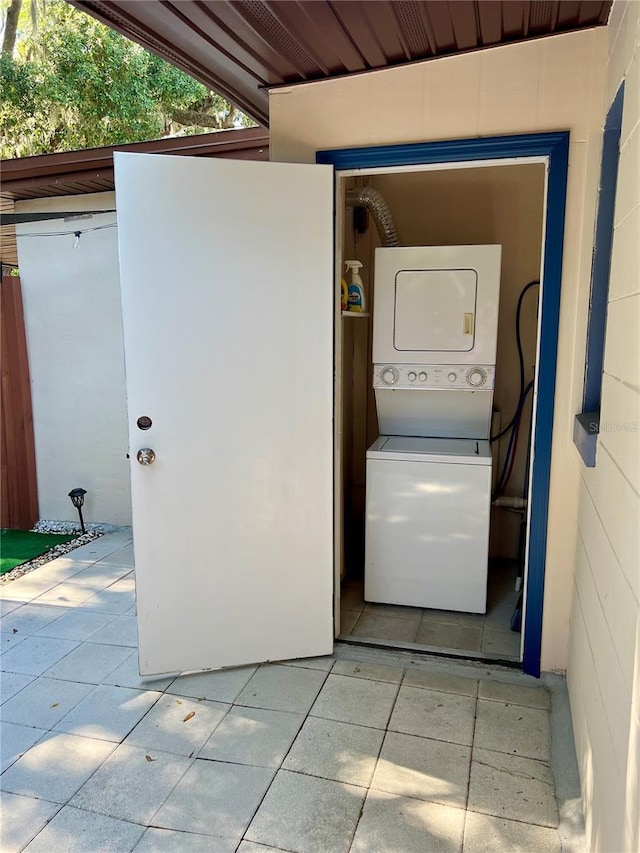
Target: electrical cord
512,421
502,479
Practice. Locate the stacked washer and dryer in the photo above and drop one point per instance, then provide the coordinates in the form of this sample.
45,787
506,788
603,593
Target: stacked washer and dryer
428,488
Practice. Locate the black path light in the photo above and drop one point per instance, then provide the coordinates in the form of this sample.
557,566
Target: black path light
77,499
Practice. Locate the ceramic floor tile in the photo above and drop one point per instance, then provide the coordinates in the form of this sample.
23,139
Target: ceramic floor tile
515,694
120,631
508,786
178,724
223,685
454,617
376,626
355,700
486,834
131,784
322,662
30,586
36,655
441,681
122,556
44,702
214,798
505,643
105,546
351,596
108,713
127,675
22,818
512,729
12,683
498,616
430,713
171,841
253,736
282,688
89,663
78,831
448,636
65,594
8,604
333,750
348,619
30,618
117,598
15,741
307,813
62,568
398,610
423,768
55,767
8,641
76,625
392,823
392,674
99,576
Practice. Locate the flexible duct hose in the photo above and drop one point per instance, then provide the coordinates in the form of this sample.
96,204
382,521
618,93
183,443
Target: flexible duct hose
379,209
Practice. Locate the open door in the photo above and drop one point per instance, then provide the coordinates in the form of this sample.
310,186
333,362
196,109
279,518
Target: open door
227,296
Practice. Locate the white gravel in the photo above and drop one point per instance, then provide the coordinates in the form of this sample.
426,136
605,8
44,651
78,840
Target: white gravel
64,527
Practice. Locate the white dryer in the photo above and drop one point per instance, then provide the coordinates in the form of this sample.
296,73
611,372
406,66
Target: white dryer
434,332
427,522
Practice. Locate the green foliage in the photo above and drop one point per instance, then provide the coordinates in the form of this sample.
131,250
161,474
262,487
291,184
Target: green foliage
73,83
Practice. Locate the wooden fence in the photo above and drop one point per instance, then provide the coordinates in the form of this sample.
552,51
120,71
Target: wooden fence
19,495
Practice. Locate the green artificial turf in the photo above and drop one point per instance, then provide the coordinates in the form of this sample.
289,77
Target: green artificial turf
20,546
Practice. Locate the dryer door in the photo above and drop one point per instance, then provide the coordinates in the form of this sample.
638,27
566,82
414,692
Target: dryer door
435,310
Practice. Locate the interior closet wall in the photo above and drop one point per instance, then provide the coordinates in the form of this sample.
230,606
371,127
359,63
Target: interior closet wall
501,204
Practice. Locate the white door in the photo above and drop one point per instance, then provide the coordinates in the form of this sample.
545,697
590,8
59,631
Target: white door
227,296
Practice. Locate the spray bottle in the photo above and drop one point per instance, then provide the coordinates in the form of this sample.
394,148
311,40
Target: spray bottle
356,300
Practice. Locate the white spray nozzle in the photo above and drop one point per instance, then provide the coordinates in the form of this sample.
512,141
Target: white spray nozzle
353,265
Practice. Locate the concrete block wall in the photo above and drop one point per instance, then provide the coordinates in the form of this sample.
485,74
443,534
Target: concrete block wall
604,661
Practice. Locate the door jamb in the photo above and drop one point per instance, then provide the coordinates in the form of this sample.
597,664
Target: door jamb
555,147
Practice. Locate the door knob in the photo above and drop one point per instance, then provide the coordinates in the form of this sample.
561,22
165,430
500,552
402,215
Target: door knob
145,456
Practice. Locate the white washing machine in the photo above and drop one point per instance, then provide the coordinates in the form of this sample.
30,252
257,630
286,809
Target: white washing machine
427,522
434,339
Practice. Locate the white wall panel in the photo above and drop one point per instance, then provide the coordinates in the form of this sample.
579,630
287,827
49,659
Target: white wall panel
74,337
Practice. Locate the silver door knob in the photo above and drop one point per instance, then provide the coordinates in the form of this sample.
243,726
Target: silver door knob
145,456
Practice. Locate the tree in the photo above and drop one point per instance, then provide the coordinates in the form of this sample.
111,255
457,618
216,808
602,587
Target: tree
67,82
11,27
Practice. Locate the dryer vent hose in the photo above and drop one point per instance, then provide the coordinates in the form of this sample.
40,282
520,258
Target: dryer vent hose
379,209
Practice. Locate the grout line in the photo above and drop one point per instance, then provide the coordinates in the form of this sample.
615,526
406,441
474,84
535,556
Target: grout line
280,767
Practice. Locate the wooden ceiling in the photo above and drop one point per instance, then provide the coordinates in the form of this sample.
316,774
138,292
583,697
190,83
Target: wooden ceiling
240,48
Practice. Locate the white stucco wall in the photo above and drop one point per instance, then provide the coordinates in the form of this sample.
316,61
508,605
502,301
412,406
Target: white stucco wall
604,662
74,339
548,84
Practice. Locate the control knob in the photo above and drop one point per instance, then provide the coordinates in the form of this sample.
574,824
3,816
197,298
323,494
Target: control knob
452,377
389,375
477,377
423,376
411,376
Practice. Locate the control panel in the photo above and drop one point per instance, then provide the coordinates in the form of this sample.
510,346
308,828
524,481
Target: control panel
480,376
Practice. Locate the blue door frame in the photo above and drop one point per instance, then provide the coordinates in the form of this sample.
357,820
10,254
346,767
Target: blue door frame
555,147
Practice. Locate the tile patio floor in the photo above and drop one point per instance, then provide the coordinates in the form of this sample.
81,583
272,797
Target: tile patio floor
320,755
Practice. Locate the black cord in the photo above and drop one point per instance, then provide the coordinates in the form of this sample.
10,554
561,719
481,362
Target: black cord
512,421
